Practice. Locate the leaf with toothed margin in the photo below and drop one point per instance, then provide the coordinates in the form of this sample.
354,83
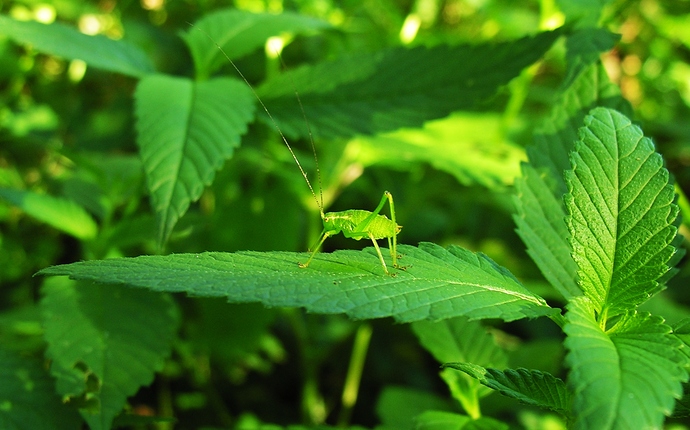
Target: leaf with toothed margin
626,377
623,219
438,282
185,132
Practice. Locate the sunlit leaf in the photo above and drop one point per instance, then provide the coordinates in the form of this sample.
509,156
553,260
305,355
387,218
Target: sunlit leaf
67,42
622,215
65,215
470,147
540,211
238,33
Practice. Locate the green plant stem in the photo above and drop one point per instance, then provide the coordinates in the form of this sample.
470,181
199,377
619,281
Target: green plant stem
165,404
519,87
354,372
559,319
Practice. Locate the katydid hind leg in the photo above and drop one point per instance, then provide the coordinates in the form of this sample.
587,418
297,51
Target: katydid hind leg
393,247
378,251
392,241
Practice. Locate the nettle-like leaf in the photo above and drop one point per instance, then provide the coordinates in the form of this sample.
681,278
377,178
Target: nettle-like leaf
623,378
63,214
400,87
583,49
186,131
438,282
455,340
622,215
67,42
533,387
104,343
27,397
540,217
441,420
398,406
238,33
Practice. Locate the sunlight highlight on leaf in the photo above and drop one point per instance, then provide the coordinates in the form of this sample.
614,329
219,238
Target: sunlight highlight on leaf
63,214
540,210
622,215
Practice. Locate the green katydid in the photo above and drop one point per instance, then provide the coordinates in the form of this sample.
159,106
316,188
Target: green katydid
354,223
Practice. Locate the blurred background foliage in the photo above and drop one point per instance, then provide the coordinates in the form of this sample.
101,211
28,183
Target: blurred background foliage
67,130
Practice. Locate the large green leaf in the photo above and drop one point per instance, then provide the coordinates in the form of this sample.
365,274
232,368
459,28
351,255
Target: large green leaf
623,378
104,342
27,397
528,386
386,90
438,283
63,214
97,51
622,215
238,33
186,131
540,211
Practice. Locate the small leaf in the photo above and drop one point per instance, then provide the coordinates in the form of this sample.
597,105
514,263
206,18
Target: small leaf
457,339
386,90
104,343
441,420
186,131
532,387
238,33
63,214
541,213
622,215
584,47
27,397
438,283
398,406
97,51
624,378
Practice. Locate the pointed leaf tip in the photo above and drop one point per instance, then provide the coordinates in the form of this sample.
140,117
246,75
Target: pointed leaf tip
622,213
186,131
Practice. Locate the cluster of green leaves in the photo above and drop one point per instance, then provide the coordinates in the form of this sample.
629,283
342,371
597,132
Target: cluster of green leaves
595,207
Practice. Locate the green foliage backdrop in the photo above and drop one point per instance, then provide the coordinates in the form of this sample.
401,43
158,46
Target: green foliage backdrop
536,152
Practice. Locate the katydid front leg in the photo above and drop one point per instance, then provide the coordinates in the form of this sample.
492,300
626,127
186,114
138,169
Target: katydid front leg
358,224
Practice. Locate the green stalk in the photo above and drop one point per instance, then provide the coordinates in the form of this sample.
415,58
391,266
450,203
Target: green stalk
354,373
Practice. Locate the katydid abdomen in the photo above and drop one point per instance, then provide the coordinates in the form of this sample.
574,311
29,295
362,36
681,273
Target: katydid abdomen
347,222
